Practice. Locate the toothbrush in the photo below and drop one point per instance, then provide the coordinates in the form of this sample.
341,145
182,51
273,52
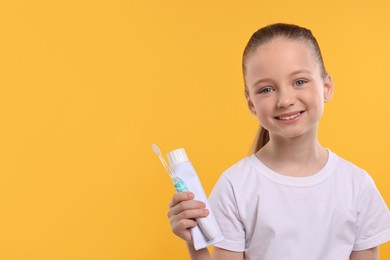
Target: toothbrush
205,225
178,183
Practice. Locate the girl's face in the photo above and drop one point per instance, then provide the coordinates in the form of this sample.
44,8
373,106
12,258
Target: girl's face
285,89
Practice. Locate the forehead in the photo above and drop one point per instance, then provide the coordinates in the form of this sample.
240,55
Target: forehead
281,56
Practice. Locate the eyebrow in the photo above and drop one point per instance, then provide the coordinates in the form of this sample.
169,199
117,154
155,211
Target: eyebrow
301,71
291,74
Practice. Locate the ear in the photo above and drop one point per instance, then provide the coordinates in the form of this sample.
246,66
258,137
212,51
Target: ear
328,88
250,104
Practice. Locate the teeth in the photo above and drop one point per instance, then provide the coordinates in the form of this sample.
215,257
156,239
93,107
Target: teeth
289,117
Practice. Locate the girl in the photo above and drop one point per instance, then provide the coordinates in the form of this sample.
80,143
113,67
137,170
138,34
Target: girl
292,199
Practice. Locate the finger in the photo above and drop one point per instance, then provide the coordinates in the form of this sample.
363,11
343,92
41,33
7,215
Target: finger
182,228
179,197
185,206
188,214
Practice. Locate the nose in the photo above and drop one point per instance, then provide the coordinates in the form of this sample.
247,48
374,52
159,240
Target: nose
286,98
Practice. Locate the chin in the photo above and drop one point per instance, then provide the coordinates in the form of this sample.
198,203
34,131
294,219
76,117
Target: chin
295,134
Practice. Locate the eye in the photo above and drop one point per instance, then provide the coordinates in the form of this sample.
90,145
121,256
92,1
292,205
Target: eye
300,82
265,90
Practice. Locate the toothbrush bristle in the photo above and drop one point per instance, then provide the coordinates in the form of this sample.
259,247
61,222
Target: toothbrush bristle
156,149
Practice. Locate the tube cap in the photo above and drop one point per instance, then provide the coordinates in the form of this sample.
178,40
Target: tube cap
177,156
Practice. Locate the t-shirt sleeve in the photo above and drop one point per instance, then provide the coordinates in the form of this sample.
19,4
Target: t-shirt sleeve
224,206
373,217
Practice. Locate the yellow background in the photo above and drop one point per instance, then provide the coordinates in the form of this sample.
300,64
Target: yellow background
88,86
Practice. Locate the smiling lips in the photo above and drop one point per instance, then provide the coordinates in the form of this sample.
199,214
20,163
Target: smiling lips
289,116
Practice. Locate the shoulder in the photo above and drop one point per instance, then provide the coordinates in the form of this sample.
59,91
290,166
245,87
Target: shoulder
237,177
241,172
241,180
347,169
351,179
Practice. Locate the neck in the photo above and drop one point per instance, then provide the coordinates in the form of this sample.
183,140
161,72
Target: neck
298,156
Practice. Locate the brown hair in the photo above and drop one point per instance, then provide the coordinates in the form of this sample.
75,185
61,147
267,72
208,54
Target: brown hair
265,35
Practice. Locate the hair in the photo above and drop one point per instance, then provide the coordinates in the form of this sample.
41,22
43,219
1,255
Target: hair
265,35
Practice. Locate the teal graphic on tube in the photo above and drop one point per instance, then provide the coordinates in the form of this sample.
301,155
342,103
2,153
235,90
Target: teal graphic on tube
179,185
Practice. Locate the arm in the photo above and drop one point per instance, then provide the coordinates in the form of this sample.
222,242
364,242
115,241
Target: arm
369,254
222,254
218,254
202,254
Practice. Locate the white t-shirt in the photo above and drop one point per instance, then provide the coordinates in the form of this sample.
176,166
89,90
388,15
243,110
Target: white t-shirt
325,216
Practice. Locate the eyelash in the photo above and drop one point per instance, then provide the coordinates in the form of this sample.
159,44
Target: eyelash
300,80
267,90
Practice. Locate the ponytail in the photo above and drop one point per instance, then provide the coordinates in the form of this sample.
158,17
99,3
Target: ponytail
261,139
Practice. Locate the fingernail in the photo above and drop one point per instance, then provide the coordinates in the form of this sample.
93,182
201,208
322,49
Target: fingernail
191,195
206,211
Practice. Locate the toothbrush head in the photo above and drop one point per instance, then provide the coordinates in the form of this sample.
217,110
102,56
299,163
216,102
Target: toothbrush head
156,150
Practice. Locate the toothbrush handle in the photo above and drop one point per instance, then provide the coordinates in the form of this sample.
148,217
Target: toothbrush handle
205,225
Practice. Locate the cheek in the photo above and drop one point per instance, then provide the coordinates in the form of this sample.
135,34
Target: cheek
262,112
315,97
264,106
318,105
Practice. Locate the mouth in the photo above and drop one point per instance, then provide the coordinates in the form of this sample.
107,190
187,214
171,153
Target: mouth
289,116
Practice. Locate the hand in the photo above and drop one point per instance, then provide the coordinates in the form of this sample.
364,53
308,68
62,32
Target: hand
183,210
